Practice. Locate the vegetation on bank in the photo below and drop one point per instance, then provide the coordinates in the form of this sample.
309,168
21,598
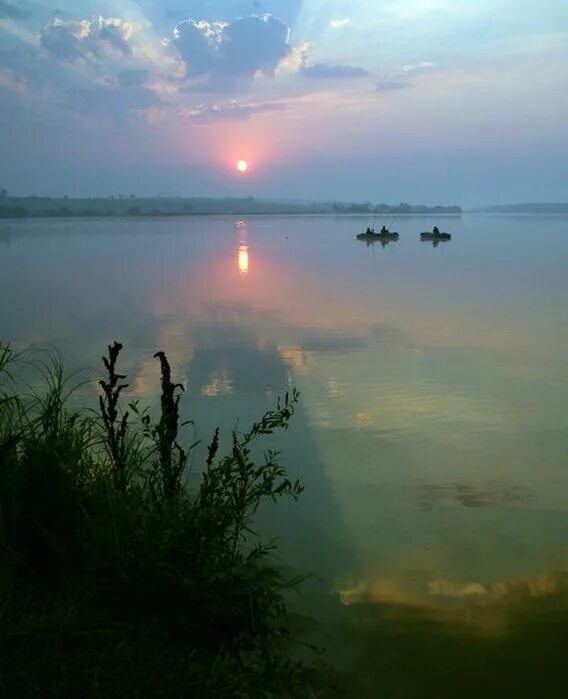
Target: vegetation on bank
118,579
65,207
401,209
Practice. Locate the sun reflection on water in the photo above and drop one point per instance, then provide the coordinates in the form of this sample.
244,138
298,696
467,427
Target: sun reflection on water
243,259
243,253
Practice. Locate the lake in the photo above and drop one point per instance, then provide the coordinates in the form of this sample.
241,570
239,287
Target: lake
432,431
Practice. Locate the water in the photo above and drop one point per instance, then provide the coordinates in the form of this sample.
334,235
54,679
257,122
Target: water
432,436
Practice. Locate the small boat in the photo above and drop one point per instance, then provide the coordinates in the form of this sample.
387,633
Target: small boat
435,235
383,235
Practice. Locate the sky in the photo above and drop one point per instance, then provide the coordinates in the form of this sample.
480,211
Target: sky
424,101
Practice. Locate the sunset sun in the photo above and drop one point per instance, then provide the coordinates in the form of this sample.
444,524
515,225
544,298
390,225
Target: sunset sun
242,166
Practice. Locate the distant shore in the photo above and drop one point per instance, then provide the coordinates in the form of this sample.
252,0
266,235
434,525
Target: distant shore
526,208
152,207
140,207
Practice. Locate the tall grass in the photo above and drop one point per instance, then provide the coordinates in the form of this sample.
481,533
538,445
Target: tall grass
116,579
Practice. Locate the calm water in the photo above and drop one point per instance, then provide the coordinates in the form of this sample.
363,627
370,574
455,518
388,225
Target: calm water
432,436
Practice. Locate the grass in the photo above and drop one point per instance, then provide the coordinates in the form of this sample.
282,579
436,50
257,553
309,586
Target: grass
116,579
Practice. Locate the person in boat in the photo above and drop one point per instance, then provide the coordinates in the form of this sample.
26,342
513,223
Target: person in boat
384,230
369,231
435,231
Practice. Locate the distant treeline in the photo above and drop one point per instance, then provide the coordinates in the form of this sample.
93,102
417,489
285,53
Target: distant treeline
22,207
529,208
32,207
394,209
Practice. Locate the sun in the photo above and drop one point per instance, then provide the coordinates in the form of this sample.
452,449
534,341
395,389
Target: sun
242,166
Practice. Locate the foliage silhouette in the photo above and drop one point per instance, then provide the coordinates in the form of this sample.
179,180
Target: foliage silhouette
119,580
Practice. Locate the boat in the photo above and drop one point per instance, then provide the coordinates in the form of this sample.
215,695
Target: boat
384,235
435,235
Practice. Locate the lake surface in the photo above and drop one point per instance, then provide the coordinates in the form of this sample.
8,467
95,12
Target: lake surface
432,435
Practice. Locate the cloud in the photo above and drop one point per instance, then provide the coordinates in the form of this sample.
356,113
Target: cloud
38,73
226,53
391,86
13,60
231,10
97,68
329,70
337,23
10,11
100,100
9,81
133,78
256,44
422,67
198,45
70,40
208,113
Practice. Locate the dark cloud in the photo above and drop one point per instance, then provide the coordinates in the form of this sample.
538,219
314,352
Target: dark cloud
112,35
198,45
327,70
208,113
61,42
10,11
225,54
391,86
111,84
69,40
255,44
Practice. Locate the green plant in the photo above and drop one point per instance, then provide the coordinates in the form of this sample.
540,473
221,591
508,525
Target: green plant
116,579
234,487
172,457
116,425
